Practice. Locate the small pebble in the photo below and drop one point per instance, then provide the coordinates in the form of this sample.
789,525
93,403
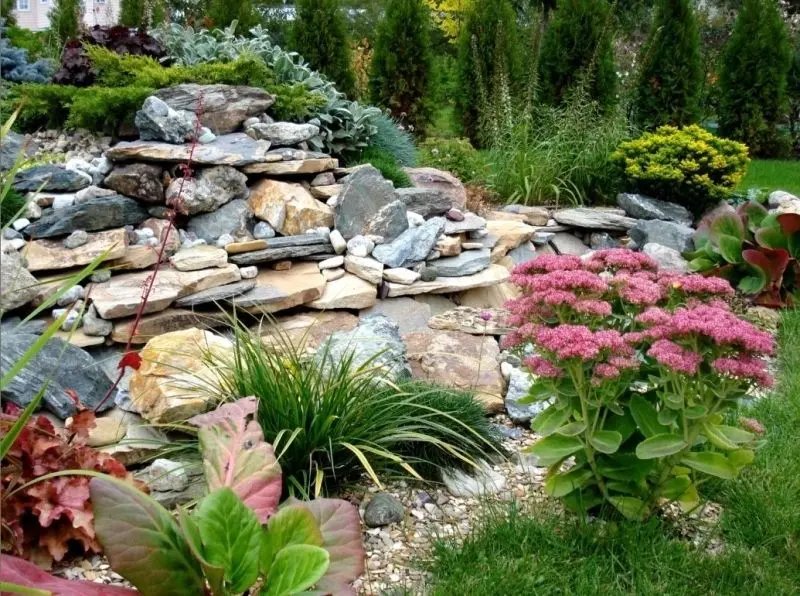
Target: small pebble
223,240
21,223
76,239
249,272
263,230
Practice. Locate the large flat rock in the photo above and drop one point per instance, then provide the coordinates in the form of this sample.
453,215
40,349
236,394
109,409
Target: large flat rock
594,218
166,321
120,296
307,330
510,234
313,165
280,290
102,213
495,274
349,292
235,149
43,255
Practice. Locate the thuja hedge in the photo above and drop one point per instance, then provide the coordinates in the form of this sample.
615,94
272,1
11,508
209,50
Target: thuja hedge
123,83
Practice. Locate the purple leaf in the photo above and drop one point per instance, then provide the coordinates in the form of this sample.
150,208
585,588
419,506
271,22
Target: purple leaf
24,573
237,456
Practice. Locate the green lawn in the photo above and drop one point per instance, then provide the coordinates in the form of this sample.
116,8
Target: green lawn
760,526
773,174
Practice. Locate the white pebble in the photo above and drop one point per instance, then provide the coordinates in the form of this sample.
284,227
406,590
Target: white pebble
248,272
224,240
21,224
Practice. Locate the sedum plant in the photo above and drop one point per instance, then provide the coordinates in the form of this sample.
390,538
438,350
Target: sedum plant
757,250
639,367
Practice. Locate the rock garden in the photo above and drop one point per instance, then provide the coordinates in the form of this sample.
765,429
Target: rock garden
253,341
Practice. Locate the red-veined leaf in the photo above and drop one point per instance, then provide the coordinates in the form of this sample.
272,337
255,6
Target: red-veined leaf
24,573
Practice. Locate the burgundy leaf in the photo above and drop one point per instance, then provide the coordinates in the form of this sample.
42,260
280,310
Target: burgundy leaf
789,222
23,573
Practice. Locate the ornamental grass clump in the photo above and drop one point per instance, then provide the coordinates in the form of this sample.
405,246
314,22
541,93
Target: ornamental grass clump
640,368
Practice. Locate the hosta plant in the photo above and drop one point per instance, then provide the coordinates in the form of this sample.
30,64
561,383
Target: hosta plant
640,367
754,249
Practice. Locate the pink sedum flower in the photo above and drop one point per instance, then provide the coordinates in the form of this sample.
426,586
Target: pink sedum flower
578,341
547,263
744,367
542,367
637,290
616,259
674,357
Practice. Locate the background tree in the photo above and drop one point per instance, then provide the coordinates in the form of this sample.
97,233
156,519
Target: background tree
489,66
793,92
320,36
671,76
224,12
131,12
577,44
753,78
7,11
401,66
66,17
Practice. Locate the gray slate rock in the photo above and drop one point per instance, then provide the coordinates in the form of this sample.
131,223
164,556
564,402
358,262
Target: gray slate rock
523,253
216,294
138,180
283,134
235,149
599,240
234,218
565,243
279,254
666,233
374,342
594,219
10,149
644,207
425,201
208,190
389,222
469,223
467,263
382,510
65,365
93,215
409,314
50,178
519,383
412,246
156,121
364,194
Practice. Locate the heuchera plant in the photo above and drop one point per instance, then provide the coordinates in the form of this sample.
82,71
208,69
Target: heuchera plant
237,539
639,367
757,250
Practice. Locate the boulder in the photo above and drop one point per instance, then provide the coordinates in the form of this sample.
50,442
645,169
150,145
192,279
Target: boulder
412,246
175,380
519,383
93,215
307,331
460,360
594,218
234,218
288,207
280,290
444,182
777,198
348,291
138,180
382,510
364,194
235,149
50,178
13,143
644,207
208,190
467,263
495,274
283,134
57,366
157,121
666,257
389,222
425,201
375,343
225,107
667,233
17,285
199,257
46,254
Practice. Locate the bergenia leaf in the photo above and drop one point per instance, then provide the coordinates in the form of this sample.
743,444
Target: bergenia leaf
772,263
215,575
789,223
293,524
142,541
296,568
730,247
771,237
754,213
341,534
231,537
237,456
14,570
726,222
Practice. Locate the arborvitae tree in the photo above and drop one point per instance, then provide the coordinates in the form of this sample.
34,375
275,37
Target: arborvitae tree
671,75
793,91
224,12
576,45
66,17
753,78
320,36
401,65
131,13
489,65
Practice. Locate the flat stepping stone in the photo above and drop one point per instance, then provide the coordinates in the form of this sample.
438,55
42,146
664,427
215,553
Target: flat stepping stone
216,294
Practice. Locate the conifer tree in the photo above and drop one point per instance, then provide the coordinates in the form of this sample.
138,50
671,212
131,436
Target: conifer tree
489,65
65,19
131,13
224,12
753,78
576,45
320,36
671,75
401,65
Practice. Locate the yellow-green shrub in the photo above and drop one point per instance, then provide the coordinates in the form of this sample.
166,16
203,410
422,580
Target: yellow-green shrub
686,165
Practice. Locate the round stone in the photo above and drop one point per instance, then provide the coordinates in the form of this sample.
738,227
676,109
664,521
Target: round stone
382,510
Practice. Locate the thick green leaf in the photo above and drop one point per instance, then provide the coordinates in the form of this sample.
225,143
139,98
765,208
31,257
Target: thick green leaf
631,507
540,391
560,484
730,247
660,446
771,237
753,284
215,575
547,421
695,412
625,425
701,264
583,500
735,435
142,541
711,463
295,569
626,467
713,434
741,458
727,222
572,429
667,416
689,500
674,487
606,441
555,448
231,537
293,524
646,417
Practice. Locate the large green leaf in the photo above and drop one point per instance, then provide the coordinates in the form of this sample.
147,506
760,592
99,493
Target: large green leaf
293,524
606,441
726,222
741,458
631,507
142,541
560,484
555,448
625,425
646,417
715,464
771,237
231,537
547,421
726,437
572,429
730,247
295,569
625,467
674,487
215,575
660,446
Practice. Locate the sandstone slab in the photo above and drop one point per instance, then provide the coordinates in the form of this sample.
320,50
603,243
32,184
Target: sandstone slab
166,321
366,268
280,290
288,208
494,274
475,321
202,256
308,330
510,234
235,149
312,165
43,255
349,291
